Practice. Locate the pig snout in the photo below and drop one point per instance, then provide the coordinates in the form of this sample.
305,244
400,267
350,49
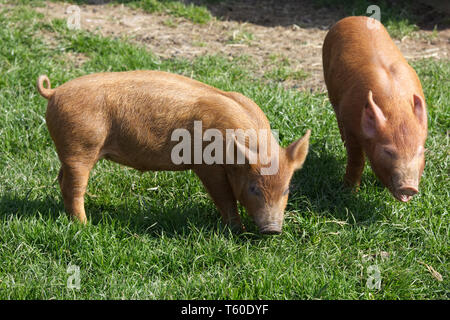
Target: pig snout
270,223
406,192
405,188
272,229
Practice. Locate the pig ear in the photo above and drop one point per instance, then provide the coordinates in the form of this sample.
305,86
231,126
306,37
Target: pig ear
373,119
419,109
298,150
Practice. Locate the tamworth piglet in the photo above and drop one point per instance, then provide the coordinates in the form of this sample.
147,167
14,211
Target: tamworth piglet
379,104
152,120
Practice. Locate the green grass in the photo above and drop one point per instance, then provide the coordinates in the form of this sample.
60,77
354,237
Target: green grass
196,13
158,236
281,70
241,36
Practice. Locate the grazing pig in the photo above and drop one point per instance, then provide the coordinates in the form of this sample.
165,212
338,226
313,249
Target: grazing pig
137,119
379,105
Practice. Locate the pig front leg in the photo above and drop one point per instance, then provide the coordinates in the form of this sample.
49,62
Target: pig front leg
216,183
355,162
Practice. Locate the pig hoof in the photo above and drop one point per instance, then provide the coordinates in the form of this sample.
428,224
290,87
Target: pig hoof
355,189
237,228
80,221
348,184
349,187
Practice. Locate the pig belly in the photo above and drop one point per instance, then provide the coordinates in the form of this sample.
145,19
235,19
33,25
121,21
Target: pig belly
142,158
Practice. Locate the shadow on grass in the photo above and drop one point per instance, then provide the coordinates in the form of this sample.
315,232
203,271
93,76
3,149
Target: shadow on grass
156,221
143,218
138,219
324,13
316,188
13,205
320,185
146,220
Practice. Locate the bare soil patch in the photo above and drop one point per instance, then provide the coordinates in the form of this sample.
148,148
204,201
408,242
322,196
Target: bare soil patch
170,37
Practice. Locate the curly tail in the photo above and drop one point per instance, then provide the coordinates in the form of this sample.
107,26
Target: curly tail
48,92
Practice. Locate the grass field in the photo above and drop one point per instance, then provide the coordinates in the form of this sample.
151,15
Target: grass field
158,236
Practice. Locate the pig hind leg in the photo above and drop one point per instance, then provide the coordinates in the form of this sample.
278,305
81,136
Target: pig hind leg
78,143
76,163
340,124
216,183
355,162
73,179
77,159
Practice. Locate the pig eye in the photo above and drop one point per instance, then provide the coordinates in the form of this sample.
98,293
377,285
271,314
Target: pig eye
390,153
255,190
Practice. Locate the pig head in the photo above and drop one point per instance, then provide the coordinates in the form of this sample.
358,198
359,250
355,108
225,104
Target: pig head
265,194
394,142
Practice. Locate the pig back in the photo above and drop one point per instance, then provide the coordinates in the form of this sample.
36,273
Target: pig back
358,56
140,110
354,50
